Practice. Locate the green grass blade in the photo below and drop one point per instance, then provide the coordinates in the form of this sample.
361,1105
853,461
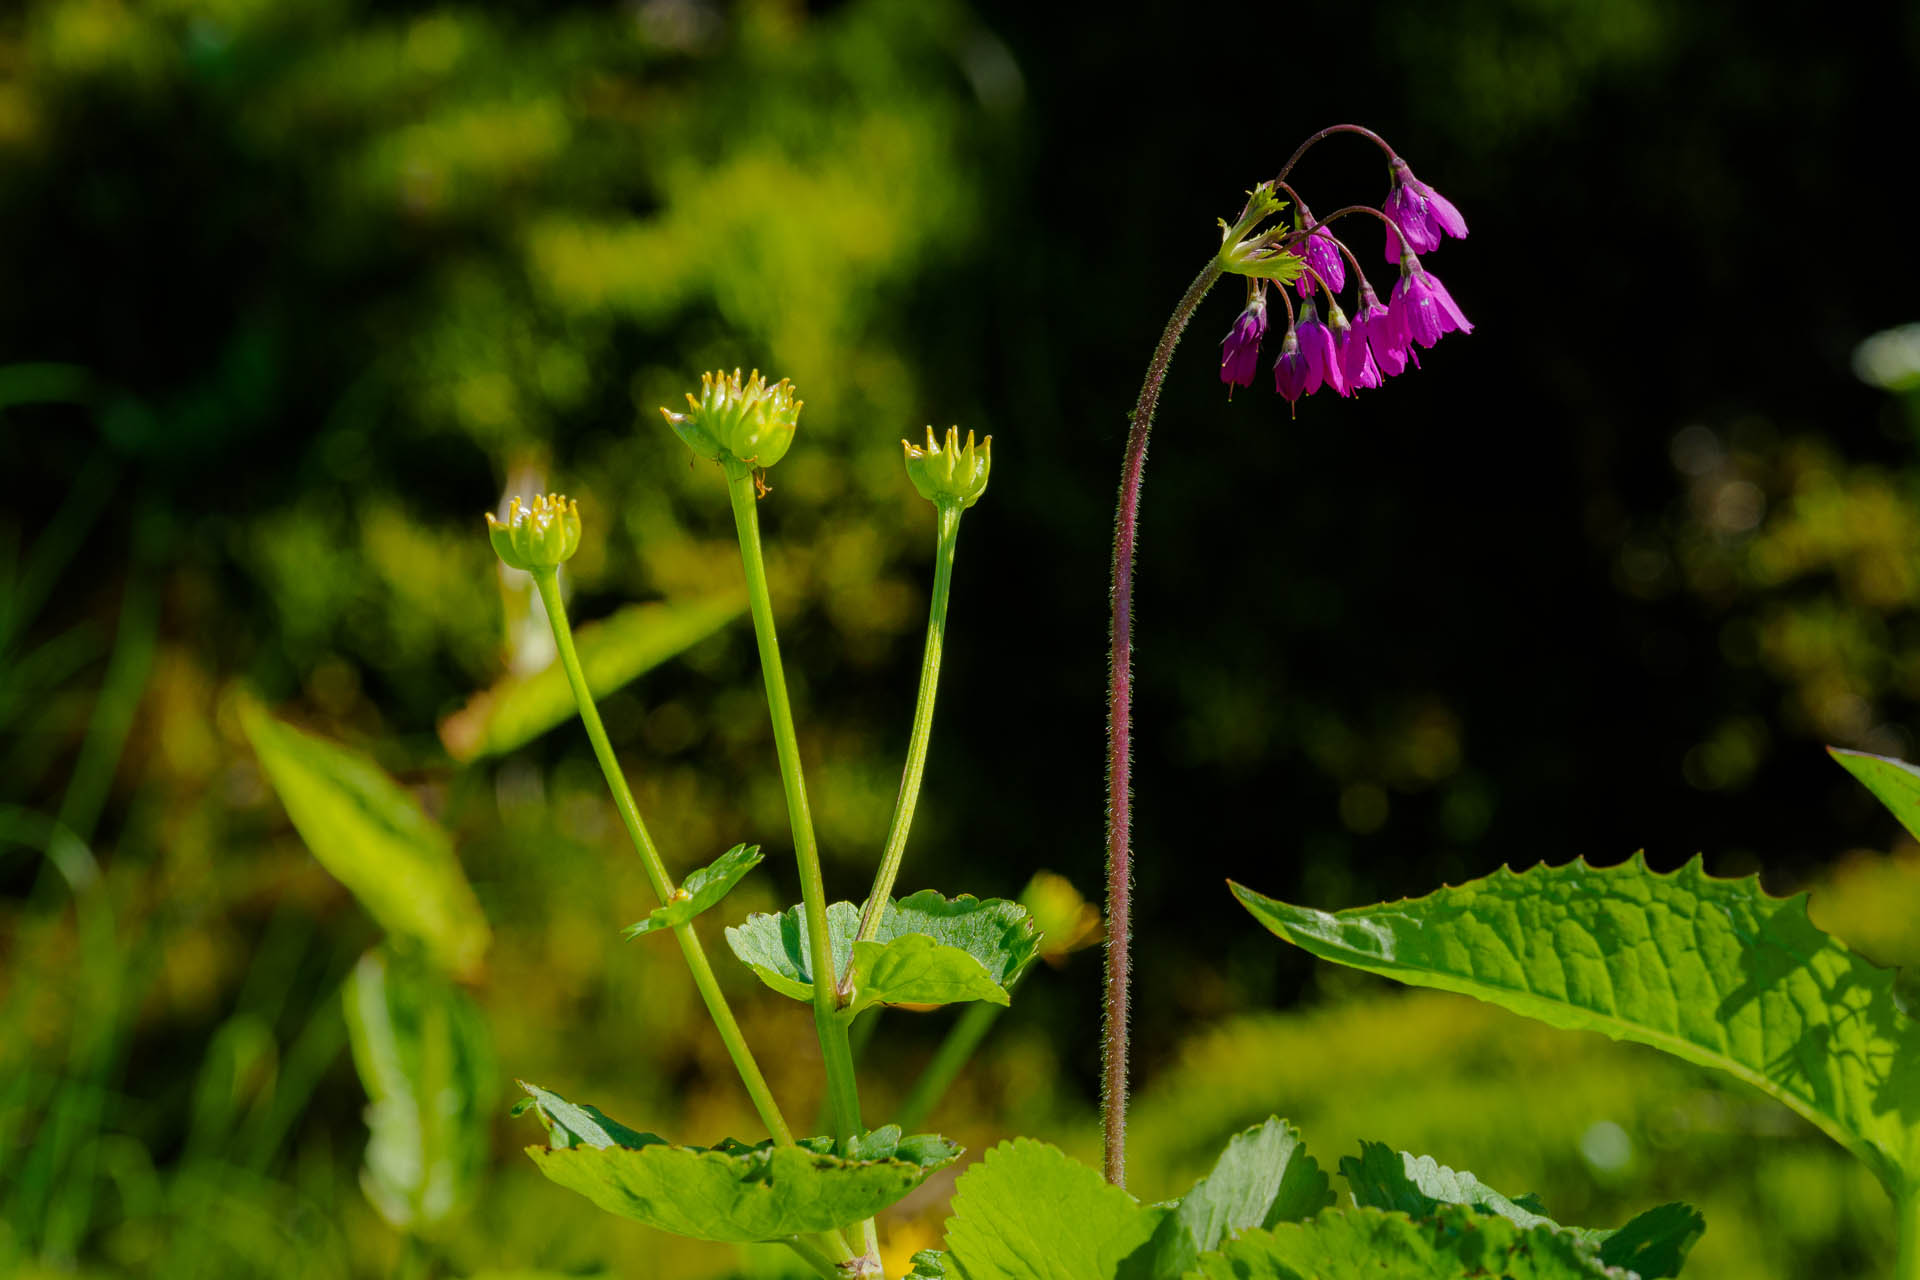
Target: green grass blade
1712,971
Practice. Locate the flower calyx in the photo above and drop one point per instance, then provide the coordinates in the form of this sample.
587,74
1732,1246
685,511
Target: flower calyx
741,424
954,476
1245,250
536,536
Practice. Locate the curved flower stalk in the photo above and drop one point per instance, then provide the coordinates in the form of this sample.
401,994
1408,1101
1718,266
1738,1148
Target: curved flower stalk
1305,256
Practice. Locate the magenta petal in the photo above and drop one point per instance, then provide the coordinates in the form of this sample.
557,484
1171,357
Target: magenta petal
1290,370
1451,317
1240,351
1417,311
1323,366
1323,255
1445,216
1357,366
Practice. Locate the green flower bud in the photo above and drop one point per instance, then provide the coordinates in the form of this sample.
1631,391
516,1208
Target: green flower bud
733,422
537,537
955,474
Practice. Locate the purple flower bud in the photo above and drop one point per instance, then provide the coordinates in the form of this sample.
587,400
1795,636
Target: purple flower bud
1323,255
1357,366
1423,309
1421,213
1316,344
1290,370
1240,352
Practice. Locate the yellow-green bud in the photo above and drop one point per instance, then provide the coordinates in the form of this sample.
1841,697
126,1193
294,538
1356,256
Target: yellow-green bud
955,474
747,423
540,536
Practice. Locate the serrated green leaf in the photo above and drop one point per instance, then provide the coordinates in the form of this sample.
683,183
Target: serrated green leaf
1712,971
929,950
1263,1177
373,837
701,889
732,1192
1655,1244
928,1264
1652,1245
613,651
424,1057
1383,1178
1029,1212
1895,783
1373,1244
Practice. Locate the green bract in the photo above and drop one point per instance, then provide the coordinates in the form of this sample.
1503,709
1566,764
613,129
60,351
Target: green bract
731,1192
953,476
738,423
541,536
703,889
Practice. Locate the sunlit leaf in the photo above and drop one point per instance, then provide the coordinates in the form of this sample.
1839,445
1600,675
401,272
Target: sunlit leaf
374,838
425,1059
1364,1243
1655,1244
1263,1177
929,950
701,889
1712,971
613,652
1029,1212
1895,783
732,1192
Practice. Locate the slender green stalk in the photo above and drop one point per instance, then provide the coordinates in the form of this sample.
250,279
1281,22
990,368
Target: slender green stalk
909,797
549,584
1907,1206
843,1092
815,1257
962,1039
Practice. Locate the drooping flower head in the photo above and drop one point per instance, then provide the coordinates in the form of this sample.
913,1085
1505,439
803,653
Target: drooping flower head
1386,344
1423,310
1316,345
1421,213
1322,257
1240,351
1290,371
1358,368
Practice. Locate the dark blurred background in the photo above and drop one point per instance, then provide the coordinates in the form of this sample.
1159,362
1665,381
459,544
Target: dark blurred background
295,290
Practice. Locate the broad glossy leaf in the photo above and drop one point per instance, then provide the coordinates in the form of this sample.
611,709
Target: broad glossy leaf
613,652
374,838
701,889
1029,1212
426,1062
929,950
1653,1245
731,1193
1372,1244
1895,783
1712,971
1263,1177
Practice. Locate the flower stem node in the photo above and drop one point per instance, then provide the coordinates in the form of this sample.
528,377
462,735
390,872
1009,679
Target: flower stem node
746,424
542,535
952,476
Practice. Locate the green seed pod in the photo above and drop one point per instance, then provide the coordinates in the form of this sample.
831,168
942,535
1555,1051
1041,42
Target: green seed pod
540,536
956,474
733,422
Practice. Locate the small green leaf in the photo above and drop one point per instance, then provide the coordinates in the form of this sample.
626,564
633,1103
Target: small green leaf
1383,1178
425,1059
1712,971
731,1193
1655,1244
1365,1243
701,889
374,839
1263,1177
613,652
1028,1212
929,950
1895,783
928,1264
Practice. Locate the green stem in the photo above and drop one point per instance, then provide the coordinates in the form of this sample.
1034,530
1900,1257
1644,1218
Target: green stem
814,1257
1908,1209
548,581
964,1037
909,797
842,1091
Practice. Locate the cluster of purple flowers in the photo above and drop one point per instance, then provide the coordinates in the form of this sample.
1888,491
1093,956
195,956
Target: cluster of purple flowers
1382,339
